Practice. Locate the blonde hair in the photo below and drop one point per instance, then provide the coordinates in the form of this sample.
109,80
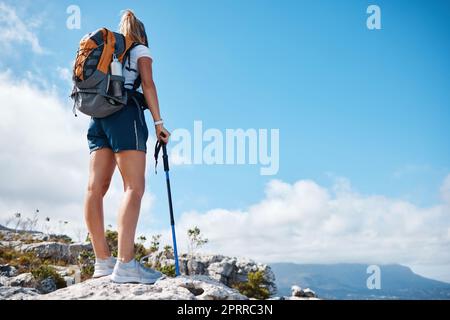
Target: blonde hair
132,27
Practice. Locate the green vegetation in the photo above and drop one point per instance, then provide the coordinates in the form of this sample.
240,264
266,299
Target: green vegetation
41,268
142,239
140,251
45,271
86,260
168,251
168,270
60,238
255,287
29,262
25,261
196,240
112,240
154,244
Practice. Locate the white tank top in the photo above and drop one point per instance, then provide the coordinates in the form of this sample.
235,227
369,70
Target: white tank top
131,71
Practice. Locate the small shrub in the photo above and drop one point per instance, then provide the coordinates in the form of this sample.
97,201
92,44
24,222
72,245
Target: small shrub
7,254
86,261
29,240
45,271
60,238
112,240
156,265
23,261
155,242
255,287
168,252
168,270
15,237
140,251
56,262
196,240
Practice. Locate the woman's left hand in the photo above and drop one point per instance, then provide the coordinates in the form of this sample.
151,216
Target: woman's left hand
162,134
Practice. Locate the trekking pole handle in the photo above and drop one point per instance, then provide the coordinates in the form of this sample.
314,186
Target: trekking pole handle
165,157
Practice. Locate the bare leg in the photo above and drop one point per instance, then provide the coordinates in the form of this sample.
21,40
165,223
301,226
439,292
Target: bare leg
101,169
131,164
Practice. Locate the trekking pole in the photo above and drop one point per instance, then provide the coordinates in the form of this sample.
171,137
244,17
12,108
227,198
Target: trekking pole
169,195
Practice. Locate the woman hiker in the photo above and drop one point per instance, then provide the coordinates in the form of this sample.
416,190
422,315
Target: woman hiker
120,139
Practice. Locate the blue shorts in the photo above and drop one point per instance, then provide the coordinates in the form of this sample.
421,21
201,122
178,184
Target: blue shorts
123,130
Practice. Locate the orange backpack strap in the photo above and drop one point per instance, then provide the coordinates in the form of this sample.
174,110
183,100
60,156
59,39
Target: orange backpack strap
129,44
108,51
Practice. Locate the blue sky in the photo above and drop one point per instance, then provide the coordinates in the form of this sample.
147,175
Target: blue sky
370,106
366,105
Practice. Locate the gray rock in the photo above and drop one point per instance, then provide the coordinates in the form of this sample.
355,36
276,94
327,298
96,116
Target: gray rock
22,280
224,269
10,243
221,271
17,293
56,250
179,288
76,248
7,270
48,250
195,267
39,237
8,235
309,293
298,292
69,280
47,285
71,274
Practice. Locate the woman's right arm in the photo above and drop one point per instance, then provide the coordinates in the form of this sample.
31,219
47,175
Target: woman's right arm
151,96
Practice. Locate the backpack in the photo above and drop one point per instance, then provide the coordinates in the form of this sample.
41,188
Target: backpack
92,90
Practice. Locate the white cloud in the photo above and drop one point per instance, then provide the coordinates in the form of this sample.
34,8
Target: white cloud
307,223
64,74
16,30
45,157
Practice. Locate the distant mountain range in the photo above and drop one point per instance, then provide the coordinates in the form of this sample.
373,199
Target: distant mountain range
349,281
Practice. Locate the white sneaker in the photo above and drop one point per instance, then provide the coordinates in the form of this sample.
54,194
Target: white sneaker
104,267
135,272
